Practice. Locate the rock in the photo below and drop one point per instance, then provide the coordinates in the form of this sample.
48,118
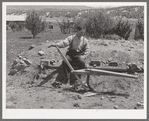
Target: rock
16,61
131,46
79,97
122,41
94,63
43,76
113,63
122,44
139,104
123,62
76,97
28,62
19,56
13,71
19,66
129,49
126,97
76,105
47,41
41,106
56,85
110,59
22,62
102,98
112,99
31,47
103,62
132,68
116,107
41,53
53,61
105,44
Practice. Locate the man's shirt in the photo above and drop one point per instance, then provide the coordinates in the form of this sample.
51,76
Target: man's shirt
75,43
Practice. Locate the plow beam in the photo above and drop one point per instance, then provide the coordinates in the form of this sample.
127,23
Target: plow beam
102,72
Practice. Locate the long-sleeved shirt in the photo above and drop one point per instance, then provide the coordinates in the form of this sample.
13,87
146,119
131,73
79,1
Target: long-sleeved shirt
75,43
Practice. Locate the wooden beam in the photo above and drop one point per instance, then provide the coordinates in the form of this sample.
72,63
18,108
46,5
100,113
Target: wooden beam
101,72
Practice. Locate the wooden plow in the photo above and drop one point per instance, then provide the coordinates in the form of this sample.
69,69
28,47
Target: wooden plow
93,71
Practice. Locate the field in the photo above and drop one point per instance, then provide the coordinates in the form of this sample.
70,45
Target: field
115,93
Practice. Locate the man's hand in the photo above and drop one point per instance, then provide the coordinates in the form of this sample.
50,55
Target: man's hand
54,44
83,57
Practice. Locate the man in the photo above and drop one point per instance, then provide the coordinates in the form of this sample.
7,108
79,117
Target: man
77,52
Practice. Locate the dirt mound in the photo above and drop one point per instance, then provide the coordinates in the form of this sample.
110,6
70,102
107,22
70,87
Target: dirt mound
46,96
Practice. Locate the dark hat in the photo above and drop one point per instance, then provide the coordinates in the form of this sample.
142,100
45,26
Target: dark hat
78,28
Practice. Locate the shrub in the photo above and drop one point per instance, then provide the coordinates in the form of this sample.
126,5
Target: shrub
12,26
34,23
112,37
64,26
98,24
16,26
123,28
139,30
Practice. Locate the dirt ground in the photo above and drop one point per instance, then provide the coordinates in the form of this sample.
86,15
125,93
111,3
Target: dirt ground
114,92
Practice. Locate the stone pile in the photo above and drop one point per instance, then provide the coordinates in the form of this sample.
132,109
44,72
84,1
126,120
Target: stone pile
19,64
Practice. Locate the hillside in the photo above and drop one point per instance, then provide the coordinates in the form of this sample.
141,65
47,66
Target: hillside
11,9
57,11
128,11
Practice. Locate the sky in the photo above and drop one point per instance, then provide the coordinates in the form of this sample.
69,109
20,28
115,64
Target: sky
113,4
91,4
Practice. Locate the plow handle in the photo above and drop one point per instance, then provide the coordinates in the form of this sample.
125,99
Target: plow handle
67,62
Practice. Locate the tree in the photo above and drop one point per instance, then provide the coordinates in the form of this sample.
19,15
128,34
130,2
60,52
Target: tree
99,24
34,23
123,28
139,30
64,26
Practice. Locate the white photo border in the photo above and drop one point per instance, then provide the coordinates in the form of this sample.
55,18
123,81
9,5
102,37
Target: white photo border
71,113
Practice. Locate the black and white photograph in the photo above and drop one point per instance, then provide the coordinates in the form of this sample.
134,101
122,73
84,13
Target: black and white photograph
74,60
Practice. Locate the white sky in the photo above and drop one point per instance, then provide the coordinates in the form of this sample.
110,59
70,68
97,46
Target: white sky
114,4
92,4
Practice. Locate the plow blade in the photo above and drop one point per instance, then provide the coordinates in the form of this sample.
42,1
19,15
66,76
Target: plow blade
102,72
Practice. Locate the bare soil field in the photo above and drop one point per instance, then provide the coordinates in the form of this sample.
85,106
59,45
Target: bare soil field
114,92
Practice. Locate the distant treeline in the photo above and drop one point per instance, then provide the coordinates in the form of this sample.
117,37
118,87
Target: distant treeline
98,25
127,11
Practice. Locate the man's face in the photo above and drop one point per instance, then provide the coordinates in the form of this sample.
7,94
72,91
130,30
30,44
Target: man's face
82,32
